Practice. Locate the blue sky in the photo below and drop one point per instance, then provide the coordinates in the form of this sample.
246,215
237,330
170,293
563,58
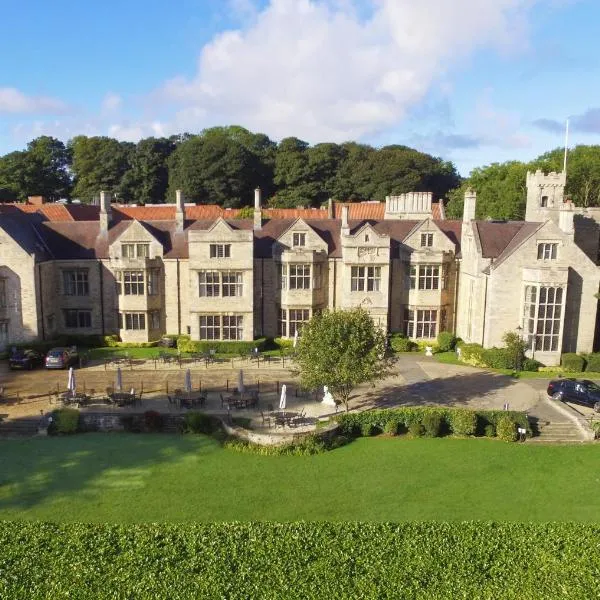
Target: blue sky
473,81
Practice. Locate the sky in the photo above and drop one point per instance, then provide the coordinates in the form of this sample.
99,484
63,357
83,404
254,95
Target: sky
472,81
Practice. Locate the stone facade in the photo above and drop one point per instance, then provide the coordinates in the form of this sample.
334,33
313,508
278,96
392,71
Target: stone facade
143,272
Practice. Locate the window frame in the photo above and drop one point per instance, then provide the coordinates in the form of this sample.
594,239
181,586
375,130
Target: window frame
429,277
220,327
135,286
75,282
219,251
299,276
365,278
77,318
132,321
543,315
547,251
298,239
427,239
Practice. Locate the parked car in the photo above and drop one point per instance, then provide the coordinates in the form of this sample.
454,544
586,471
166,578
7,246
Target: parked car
62,358
24,359
584,392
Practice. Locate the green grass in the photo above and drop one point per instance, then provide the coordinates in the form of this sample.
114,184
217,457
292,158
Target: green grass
136,353
449,358
141,478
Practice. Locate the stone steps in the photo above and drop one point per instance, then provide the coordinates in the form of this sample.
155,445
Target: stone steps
26,427
563,432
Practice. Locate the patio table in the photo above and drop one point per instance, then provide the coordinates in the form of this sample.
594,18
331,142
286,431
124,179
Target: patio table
190,399
284,417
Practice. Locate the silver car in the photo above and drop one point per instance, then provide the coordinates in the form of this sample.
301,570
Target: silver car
61,358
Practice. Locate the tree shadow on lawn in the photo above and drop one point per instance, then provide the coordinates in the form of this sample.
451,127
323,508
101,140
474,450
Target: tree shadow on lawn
456,390
33,470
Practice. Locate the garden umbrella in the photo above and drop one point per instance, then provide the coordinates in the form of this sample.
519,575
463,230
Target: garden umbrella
188,381
283,397
71,385
119,381
328,399
240,385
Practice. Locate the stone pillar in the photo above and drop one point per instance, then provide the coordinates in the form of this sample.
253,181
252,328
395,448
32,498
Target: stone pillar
345,224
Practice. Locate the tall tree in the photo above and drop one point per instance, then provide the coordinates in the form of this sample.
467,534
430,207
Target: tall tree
213,169
14,176
99,163
148,179
291,173
341,349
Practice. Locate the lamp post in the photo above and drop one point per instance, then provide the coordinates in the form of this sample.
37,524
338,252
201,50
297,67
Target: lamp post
518,348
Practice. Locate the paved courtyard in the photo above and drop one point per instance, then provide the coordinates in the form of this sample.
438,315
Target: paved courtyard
414,380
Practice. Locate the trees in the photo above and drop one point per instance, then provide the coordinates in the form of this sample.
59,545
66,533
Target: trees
41,170
99,163
341,349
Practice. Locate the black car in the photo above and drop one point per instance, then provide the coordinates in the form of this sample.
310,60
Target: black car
24,359
584,392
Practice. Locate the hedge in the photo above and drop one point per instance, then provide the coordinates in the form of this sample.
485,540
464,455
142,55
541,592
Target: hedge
572,362
299,560
400,343
460,421
185,344
593,363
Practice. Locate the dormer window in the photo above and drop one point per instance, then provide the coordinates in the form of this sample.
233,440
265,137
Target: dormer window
426,240
299,239
544,201
366,237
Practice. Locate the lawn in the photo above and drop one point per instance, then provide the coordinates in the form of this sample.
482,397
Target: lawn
139,478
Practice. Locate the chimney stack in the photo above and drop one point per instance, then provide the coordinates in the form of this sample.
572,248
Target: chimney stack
105,211
330,211
565,218
179,210
469,205
345,225
257,209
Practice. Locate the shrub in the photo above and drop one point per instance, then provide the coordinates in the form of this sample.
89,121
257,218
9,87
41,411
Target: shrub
593,363
400,343
490,430
391,427
472,354
198,422
153,421
65,421
446,341
423,344
463,422
369,429
185,344
572,362
596,429
416,429
498,358
529,364
506,429
432,424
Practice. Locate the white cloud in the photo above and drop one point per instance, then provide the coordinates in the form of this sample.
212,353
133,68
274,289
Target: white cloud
14,101
111,102
318,70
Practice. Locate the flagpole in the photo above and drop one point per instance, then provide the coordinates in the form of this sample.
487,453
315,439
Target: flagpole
566,147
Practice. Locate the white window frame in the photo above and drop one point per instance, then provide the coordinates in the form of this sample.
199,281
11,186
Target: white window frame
547,250
429,277
132,321
217,327
298,239
220,251
365,278
543,313
134,283
299,276
427,240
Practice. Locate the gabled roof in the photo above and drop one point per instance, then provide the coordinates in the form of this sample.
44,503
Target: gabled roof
495,236
25,230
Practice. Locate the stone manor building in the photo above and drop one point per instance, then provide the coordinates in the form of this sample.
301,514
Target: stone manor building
144,271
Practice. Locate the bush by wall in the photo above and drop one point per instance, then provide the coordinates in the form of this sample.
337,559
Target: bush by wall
198,422
64,421
529,364
446,341
184,344
593,362
572,362
458,421
400,343
294,561
473,354
506,429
